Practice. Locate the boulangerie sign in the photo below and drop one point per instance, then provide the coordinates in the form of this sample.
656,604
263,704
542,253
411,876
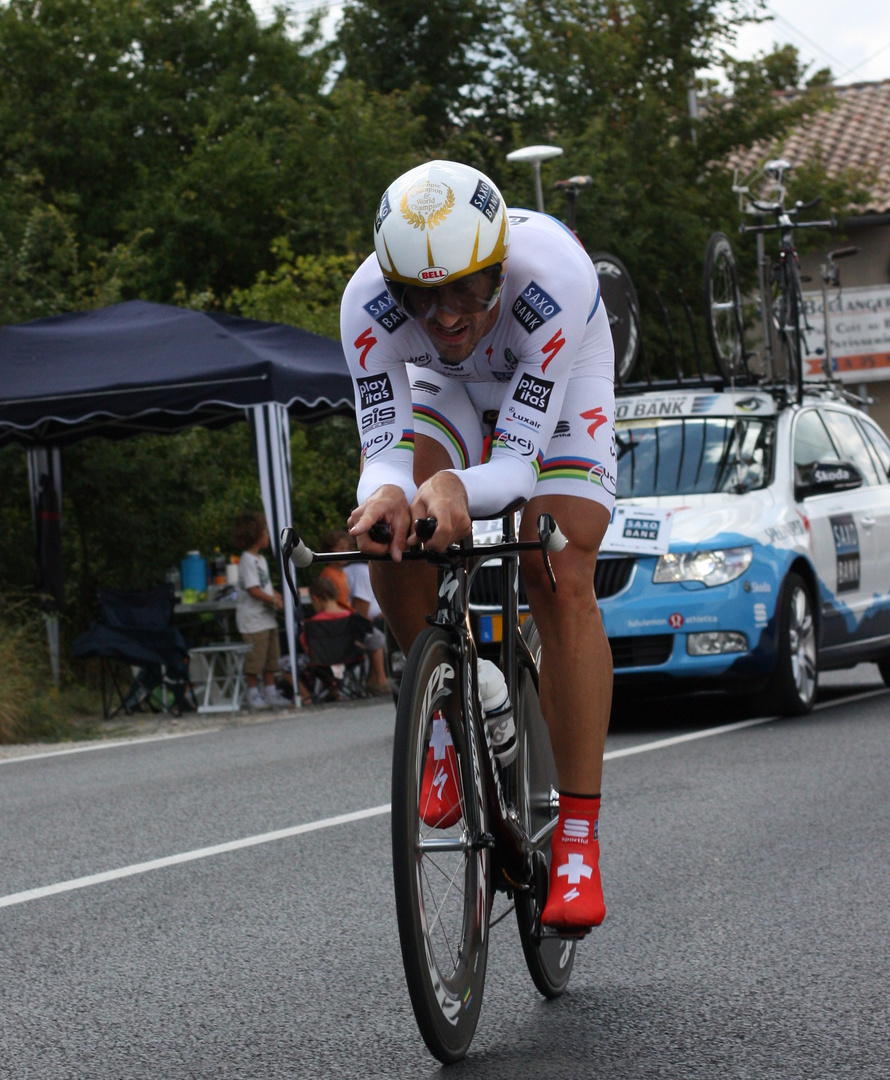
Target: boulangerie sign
860,333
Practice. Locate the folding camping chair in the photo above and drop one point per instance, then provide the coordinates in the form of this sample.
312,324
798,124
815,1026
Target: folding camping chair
336,663
135,631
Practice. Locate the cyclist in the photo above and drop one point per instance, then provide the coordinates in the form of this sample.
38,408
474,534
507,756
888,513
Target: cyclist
472,320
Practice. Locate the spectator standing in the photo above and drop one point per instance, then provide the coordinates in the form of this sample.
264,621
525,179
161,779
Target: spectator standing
255,615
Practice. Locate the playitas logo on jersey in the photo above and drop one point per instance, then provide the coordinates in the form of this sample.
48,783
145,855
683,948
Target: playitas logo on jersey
384,312
374,389
533,393
534,307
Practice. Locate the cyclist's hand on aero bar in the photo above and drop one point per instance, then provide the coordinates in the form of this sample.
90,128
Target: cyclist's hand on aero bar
444,498
389,505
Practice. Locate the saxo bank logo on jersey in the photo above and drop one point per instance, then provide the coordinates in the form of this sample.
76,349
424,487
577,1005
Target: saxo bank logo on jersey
534,307
384,312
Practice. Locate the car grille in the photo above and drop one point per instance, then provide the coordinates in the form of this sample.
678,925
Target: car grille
645,651
610,578
486,587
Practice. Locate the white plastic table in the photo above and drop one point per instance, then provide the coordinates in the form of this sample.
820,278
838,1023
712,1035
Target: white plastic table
217,674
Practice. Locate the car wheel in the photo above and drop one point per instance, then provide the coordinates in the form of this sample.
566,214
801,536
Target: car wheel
792,689
884,668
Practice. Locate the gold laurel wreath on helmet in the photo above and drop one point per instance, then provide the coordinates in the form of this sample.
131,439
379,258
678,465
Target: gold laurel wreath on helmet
418,221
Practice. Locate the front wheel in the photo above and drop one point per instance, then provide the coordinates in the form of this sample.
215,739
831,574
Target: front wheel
442,875
884,668
549,960
792,687
723,307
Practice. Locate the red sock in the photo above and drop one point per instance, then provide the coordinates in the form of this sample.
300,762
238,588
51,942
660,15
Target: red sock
439,793
575,900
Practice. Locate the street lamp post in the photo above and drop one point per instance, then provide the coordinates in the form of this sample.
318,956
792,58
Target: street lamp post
535,155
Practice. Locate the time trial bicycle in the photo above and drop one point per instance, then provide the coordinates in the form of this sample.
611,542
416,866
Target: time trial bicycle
446,873
782,308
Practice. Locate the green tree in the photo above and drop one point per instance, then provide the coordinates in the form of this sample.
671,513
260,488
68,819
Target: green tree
440,53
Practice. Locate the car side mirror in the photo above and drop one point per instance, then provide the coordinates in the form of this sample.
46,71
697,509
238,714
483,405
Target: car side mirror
826,477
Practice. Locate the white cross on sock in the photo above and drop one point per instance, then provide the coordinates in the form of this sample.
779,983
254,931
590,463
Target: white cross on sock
574,869
441,738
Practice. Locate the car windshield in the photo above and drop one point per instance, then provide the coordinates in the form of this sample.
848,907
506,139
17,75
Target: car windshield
693,455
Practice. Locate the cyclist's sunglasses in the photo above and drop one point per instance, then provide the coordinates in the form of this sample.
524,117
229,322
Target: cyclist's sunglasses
470,295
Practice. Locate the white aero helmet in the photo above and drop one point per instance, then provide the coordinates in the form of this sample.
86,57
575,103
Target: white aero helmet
440,222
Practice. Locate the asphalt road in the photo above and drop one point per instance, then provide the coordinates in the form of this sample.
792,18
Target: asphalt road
237,931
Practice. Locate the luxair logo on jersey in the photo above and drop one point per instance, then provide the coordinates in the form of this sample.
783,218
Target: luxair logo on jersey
384,312
486,200
534,307
374,390
383,211
533,393
846,548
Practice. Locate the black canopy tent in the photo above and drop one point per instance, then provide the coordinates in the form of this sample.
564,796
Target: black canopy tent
138,367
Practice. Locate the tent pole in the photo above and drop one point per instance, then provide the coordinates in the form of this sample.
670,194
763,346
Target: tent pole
270,428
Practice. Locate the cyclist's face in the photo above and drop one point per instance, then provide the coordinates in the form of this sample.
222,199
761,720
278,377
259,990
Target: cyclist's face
455,336
456,317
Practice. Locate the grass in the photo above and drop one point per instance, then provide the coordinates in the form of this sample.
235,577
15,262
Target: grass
32,707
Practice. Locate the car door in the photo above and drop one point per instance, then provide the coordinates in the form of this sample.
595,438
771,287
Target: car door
838,525
872,498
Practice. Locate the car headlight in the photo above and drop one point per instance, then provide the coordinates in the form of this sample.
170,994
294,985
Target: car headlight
710,567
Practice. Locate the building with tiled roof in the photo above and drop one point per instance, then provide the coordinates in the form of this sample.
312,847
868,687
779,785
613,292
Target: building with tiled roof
853,134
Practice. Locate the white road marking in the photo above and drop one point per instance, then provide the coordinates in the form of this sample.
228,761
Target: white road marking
111,744
343,819
188,856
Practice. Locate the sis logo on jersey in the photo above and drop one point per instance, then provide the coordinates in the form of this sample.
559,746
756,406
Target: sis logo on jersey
534,307
384,312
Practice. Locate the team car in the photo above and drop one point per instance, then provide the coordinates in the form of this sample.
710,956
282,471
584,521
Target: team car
750,542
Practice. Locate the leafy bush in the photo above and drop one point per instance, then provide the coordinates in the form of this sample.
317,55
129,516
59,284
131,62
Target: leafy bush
31,707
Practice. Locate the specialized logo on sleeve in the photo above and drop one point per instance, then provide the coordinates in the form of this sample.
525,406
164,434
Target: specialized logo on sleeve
374,390
486,200
384,312
533,393
365,341
534,307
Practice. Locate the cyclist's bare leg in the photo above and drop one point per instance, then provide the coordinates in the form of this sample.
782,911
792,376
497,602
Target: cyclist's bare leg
576,661
406,592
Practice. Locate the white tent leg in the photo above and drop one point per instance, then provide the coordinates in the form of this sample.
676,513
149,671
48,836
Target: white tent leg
271,432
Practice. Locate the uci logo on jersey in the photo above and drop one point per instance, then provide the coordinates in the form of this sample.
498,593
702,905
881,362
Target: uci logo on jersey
534,307
376,444
384,312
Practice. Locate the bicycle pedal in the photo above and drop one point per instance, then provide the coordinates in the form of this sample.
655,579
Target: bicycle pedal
565,935
484,840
